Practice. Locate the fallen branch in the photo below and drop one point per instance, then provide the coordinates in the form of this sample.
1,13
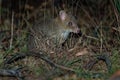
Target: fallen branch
104,58
12,73
40,54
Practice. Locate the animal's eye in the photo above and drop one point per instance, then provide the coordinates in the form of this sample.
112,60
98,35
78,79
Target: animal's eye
69,23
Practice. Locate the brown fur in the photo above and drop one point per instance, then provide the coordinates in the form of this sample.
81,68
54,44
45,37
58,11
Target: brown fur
55,30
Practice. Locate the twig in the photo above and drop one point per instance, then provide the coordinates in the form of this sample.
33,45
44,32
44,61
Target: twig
41,55
101,38
103,57
11,40
0,11
115,29
12,73
91,37
116,13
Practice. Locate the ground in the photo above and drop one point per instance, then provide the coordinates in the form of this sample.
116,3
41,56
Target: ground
100,27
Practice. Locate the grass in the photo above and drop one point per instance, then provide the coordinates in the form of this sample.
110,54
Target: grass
100,35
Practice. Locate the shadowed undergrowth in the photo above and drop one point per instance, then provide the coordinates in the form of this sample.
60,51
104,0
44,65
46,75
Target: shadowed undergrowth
99,23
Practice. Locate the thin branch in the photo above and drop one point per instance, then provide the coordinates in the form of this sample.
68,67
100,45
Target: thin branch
39,55
115,29
0,11
116,13
11,40
12,73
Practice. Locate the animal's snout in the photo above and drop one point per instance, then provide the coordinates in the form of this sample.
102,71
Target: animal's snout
77,30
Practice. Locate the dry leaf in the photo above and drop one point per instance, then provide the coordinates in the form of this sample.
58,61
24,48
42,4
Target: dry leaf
82,52
115,76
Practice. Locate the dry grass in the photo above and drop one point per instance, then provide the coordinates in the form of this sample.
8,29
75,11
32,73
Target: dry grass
99,24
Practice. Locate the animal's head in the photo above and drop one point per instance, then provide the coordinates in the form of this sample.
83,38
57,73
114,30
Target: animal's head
68,22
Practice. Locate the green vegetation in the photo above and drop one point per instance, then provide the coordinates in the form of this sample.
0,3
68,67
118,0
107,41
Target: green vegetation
100,29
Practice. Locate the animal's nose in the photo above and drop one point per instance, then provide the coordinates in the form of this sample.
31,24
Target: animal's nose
78,30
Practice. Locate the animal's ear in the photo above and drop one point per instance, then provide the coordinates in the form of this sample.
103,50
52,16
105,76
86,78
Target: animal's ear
62,15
